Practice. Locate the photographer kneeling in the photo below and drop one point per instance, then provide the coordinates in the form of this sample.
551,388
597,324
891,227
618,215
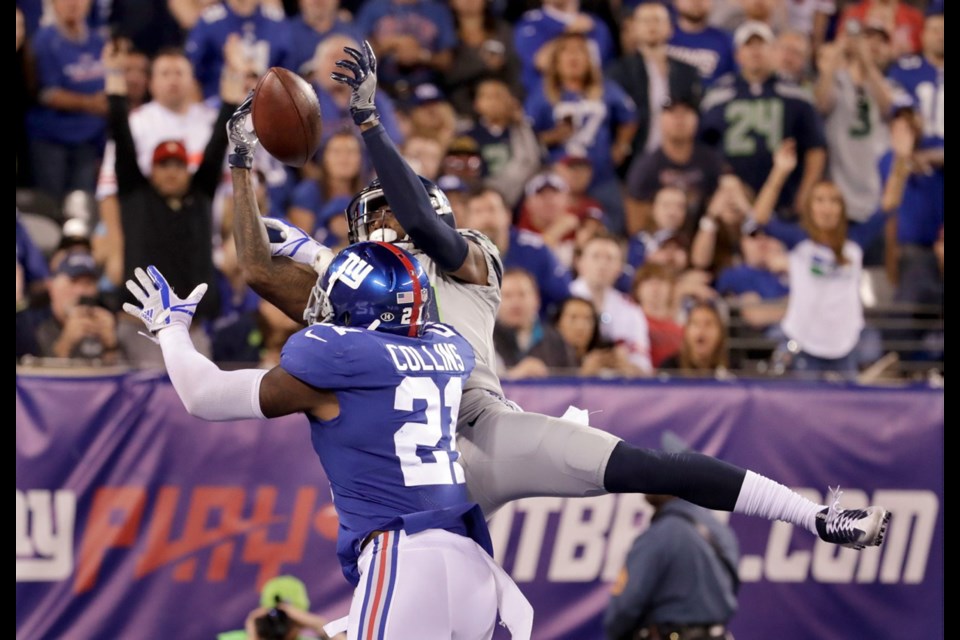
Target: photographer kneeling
283,614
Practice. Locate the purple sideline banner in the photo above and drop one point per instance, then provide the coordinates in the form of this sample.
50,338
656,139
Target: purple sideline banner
136,520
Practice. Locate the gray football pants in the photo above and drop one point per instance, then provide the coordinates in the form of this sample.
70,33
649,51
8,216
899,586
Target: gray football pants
509,454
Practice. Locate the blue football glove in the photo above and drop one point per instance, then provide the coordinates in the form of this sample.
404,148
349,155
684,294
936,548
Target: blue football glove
244,140
160,307
363,82
292,242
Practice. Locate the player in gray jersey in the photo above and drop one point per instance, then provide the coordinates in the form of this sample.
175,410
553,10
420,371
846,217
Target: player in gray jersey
507,453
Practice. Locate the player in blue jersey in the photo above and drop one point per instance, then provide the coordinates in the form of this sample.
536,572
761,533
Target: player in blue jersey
381,387
507,453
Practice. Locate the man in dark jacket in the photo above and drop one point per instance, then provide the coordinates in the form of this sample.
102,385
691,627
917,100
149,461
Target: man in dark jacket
167,217
650,77
680,577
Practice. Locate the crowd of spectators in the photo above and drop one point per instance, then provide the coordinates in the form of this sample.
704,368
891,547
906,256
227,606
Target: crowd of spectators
647,168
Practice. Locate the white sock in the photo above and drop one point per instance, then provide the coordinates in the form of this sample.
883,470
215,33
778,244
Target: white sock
761,496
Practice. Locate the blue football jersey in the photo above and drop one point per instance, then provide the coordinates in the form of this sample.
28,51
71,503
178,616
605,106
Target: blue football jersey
391,454
918,83
747,123
265,35
711,51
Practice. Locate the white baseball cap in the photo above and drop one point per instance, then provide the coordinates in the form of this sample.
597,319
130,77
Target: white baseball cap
751,29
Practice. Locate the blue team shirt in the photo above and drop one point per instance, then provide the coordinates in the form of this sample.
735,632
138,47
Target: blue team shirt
304,40
527,251
265,33
920,84
538,27
642,243
336,119
73,66
710,51
429,22
747,124
390,455
792,234
307,195
743,279
921,210
593,122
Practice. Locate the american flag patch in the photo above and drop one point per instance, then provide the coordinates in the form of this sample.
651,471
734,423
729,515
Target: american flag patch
405,297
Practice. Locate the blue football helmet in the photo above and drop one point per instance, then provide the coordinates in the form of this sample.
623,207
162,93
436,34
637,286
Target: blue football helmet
373,285
365,208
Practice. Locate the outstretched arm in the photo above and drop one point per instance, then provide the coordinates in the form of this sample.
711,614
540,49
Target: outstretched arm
280,281
129,176
784,162
207,391
411,205
406,194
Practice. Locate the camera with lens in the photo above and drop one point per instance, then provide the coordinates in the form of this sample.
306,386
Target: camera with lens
89,346
275,624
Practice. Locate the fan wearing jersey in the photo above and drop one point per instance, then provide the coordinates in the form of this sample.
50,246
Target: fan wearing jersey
380,385
746,115
507,453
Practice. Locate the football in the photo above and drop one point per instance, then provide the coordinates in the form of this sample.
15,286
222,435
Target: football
286,116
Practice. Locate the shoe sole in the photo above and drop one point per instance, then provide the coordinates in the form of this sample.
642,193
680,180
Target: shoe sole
878,538
883,528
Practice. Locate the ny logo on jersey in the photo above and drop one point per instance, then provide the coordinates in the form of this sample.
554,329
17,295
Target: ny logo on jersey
354,271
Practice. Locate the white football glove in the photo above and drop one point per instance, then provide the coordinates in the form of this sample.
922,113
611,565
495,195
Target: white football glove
161,308
292,242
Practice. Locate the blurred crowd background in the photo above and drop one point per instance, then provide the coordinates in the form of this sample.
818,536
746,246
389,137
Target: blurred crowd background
687,187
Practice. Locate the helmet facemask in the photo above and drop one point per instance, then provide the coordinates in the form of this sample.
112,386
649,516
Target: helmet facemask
319,308
366,209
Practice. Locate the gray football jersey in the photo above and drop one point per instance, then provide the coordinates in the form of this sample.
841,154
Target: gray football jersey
470,308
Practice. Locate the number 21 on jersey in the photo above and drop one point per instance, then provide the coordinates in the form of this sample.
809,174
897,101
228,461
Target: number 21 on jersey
427,450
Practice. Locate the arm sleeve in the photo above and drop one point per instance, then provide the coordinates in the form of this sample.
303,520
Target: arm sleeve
864,234
127,168
388,118
207,391
788,233
209,173
411,205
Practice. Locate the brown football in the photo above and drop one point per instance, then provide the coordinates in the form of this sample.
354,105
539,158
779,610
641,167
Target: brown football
286,116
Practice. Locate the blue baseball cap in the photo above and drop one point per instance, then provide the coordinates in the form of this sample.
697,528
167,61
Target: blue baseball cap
78,264
425,94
